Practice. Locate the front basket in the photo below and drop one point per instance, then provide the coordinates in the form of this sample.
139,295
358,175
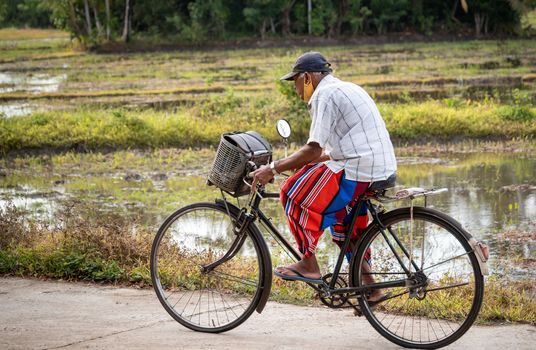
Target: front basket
231,162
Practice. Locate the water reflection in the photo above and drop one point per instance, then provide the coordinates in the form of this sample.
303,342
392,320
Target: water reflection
33,83
43,205
12,82
15,109
489,194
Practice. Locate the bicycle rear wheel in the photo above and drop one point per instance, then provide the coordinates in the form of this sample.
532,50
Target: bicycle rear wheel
213,300
449,287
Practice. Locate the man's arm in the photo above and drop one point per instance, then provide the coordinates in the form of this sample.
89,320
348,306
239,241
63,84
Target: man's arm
309,153
324,157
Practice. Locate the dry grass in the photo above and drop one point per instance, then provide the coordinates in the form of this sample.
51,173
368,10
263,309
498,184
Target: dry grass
82,245
111,248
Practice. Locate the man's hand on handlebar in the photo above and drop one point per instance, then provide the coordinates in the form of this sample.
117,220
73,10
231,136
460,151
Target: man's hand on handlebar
262,176
304,155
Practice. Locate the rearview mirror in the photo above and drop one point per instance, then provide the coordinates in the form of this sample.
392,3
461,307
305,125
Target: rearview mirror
283,128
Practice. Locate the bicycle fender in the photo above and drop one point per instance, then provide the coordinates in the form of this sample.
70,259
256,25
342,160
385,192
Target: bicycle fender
266,279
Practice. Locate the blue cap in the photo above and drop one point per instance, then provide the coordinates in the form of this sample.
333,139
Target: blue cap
308,62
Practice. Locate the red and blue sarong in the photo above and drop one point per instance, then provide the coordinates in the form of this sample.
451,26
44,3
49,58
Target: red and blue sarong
315,198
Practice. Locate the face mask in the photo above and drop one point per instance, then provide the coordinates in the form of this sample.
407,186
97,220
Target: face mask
308,90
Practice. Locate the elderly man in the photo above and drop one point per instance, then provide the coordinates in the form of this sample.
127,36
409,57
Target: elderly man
348,148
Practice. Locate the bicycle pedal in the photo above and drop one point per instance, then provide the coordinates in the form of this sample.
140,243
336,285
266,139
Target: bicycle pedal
357,309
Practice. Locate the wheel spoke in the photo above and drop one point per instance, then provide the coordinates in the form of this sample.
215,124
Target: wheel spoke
450,293
446,261
447,287
196,236
234,278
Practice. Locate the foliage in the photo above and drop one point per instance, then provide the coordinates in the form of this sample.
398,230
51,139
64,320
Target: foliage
96,21
19,13
387,14
520,110
298,117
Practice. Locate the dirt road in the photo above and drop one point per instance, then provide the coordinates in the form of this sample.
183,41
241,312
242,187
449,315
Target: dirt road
58,315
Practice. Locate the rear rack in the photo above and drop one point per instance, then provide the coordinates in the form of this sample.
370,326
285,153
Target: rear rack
408,193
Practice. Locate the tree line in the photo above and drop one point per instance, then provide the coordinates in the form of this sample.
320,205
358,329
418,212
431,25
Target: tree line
95,21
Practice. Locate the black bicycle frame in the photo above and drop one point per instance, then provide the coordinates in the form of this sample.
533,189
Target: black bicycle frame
256,213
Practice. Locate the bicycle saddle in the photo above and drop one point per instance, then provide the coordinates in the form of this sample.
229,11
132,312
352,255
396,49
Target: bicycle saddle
383,184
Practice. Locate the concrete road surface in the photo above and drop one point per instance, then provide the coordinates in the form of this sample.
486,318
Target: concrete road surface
58,315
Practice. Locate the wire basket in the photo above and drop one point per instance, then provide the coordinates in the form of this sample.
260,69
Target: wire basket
231,162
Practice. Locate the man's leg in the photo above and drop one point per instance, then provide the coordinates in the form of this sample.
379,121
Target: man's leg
338,233
311,199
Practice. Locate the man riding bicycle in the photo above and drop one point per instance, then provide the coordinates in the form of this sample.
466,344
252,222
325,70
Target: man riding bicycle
348,148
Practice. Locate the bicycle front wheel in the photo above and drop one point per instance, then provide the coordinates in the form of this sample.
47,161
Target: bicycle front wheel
212,300
444,285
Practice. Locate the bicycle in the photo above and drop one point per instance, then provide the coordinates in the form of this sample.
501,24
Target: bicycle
211,267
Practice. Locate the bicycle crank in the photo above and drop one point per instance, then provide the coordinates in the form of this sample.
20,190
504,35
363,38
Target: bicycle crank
336,300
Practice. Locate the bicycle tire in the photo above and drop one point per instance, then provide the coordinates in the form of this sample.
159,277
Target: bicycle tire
190,238
450,299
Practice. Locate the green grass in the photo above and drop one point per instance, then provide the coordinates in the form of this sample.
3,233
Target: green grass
445,120
90,129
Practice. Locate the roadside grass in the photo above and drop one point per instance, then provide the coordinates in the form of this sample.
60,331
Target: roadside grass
108,248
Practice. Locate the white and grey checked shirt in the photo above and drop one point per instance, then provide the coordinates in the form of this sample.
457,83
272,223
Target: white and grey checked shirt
347,124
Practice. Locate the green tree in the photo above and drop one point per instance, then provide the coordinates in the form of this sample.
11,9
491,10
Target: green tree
387,15
262,15
207,20
24,13
497,16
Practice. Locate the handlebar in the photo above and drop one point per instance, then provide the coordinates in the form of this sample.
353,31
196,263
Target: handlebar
270,195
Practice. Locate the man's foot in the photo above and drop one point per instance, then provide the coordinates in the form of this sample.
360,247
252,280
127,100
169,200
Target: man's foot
307,267
377,296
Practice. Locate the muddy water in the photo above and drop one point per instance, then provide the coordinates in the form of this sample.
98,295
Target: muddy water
32,83
492,195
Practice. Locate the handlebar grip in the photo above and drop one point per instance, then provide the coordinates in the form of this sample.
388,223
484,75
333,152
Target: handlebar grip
250,167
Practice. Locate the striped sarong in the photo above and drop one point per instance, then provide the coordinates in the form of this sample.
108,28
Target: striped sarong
315,198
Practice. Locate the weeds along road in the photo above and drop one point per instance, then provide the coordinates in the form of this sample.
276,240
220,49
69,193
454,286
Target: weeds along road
58,315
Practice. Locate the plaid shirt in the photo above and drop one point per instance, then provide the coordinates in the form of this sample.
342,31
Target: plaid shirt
347,124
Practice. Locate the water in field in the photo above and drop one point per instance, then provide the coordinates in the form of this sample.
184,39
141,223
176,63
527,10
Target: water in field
19,82
492,195
11,82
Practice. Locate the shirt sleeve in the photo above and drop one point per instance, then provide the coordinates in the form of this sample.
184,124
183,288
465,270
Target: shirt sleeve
323,113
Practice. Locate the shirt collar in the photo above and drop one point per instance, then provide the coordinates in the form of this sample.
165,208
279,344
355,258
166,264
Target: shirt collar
328,79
